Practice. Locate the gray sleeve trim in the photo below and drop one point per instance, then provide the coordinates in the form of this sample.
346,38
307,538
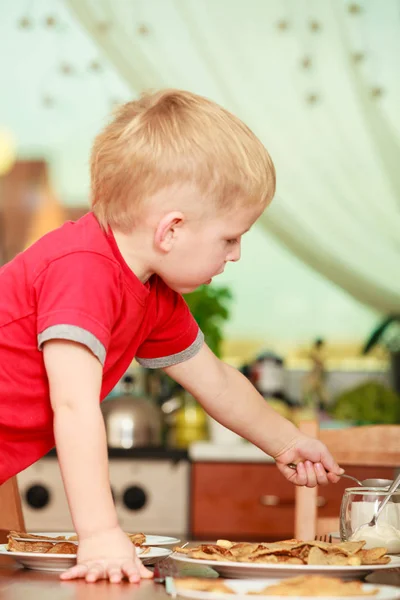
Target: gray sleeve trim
174,359
74,334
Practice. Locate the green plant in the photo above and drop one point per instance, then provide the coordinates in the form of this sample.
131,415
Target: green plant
387,333
369,402
210,307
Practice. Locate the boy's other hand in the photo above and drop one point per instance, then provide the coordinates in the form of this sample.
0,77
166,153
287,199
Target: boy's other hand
107,555
314,463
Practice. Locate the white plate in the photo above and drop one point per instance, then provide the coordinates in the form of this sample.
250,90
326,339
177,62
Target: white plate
61,562
160,540
243,587
151,540
267,570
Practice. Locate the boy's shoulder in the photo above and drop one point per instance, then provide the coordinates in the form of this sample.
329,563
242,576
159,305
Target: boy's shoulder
74,239
73,236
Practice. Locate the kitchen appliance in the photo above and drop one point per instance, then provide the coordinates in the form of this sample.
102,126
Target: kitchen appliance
150,489
132,420
267,375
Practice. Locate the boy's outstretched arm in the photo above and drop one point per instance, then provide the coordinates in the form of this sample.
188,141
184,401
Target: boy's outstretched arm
75,377
233,401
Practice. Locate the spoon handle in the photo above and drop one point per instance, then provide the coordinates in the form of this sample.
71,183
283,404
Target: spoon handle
391,490
351,477
293,466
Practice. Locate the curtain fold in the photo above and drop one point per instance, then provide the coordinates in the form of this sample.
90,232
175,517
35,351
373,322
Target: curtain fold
318,82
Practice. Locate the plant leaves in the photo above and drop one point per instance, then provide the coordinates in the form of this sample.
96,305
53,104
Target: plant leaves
378,332
209,305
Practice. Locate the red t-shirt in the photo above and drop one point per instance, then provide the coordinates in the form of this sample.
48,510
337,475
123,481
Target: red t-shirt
74,284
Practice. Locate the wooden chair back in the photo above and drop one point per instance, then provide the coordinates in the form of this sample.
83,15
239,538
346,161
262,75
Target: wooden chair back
11,515
372,446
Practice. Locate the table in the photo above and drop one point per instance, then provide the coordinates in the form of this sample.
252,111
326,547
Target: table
22,584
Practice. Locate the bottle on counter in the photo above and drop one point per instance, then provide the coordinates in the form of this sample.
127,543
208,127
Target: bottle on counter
189,422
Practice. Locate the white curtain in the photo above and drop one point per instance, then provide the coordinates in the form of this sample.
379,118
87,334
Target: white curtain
318,81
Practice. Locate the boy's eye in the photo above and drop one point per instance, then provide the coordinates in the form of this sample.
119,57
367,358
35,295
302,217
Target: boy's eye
234,241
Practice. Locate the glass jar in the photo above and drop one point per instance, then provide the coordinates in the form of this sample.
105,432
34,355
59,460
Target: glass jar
357,509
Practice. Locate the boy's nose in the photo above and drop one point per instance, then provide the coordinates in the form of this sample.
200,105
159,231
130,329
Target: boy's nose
234,255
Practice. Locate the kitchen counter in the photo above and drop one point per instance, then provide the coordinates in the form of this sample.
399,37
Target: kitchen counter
240,452
197,452
149,453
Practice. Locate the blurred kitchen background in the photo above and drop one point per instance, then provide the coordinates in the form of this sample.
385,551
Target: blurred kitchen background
311,313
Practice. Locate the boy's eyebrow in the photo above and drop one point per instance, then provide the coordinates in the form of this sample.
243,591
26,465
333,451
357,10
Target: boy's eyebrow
241,233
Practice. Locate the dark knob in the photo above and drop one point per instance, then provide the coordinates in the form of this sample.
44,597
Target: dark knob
37,496
134,498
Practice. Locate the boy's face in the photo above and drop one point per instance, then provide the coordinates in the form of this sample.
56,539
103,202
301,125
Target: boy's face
202,247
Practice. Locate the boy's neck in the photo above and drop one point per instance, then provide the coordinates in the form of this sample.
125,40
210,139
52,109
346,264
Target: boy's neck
133,250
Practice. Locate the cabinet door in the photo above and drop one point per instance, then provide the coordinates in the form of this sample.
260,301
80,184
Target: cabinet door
241,501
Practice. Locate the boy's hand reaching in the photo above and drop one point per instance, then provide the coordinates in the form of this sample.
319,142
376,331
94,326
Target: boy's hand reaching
234,402
107,555
315,464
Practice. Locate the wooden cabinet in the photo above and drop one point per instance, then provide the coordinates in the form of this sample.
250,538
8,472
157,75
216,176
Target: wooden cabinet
241,501
253,501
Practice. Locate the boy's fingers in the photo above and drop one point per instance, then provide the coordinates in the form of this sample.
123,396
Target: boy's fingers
321,474
114,574
131,571
145,573
75,572
333,478
330,464
301,474
311,475
134,570
95,572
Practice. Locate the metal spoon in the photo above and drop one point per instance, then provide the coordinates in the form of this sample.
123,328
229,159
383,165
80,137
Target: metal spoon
392,489
377,483
294,467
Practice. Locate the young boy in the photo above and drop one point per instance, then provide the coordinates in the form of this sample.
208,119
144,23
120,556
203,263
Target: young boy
176,182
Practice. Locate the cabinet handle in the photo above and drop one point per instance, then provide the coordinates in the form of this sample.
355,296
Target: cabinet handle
272,500
269,500
321,501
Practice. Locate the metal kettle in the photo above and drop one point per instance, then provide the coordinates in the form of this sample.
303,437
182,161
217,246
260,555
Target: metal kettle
131,420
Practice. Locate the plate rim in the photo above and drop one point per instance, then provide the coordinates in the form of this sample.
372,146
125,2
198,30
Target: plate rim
381,587
4,552
170,539
285,566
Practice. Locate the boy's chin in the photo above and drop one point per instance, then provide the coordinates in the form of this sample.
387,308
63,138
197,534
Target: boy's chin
186,289
181,288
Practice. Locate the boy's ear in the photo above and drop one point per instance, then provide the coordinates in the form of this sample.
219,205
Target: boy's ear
167,230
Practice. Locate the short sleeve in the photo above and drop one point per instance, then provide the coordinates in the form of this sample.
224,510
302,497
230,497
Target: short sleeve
175,338
77,299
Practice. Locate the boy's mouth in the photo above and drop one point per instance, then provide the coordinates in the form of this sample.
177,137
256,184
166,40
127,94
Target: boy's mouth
211,278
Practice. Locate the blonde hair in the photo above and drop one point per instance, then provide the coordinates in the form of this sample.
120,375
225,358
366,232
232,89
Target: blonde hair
174,137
